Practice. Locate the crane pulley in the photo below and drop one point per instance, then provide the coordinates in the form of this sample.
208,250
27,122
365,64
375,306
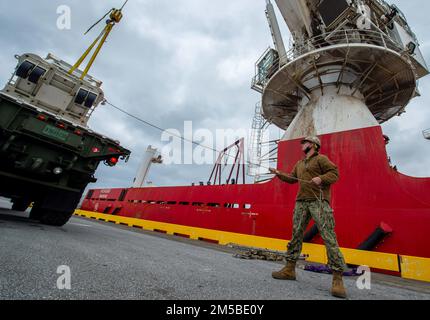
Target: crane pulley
115,16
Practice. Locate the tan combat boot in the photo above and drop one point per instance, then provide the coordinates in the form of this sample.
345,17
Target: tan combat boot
287,273
338,290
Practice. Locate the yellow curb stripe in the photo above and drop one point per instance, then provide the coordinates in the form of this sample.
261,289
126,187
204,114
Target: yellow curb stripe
410,268
415,268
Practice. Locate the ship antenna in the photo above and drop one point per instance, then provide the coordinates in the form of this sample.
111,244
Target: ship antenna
115,16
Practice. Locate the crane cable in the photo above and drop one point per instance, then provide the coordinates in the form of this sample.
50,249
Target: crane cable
115,17
187,140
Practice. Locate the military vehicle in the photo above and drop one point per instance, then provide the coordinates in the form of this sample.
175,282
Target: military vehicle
48,154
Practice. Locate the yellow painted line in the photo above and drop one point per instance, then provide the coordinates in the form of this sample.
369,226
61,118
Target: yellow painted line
411,267
415,268
378,260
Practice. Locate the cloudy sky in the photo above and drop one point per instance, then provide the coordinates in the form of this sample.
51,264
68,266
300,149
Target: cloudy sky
171,61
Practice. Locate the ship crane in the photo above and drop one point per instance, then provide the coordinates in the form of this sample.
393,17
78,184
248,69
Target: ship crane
222,163
151,156
355,53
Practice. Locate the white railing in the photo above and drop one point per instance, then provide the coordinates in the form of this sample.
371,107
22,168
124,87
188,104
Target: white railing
325,41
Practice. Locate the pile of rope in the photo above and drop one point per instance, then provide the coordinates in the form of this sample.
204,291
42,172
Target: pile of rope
251,253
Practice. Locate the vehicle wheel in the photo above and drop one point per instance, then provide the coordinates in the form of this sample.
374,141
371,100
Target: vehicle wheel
20,204
55,218
35,213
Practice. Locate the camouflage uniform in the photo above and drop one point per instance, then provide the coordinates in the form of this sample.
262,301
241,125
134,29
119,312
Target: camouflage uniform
322,214
314,202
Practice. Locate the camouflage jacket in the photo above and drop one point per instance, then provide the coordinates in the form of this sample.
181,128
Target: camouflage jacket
307,169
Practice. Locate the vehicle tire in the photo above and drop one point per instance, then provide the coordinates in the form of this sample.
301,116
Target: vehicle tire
35,213
20,204
55,218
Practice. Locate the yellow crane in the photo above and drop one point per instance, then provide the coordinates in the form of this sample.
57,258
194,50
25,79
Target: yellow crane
115,16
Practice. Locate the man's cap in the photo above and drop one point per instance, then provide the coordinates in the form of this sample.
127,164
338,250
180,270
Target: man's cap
312,139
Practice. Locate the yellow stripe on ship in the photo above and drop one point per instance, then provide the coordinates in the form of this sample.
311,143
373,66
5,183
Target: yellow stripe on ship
410,267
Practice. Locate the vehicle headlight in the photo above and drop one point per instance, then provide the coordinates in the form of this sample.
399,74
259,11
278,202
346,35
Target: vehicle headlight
57,171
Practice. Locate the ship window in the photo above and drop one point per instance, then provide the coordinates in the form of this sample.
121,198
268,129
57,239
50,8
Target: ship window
24,69
81,96
330,10
36,74
90,100
215,205
232,205
198,204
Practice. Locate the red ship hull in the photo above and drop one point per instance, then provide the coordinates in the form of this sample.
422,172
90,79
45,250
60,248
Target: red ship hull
369,193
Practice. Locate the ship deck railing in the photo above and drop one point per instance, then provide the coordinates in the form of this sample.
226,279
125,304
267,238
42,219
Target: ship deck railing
323,41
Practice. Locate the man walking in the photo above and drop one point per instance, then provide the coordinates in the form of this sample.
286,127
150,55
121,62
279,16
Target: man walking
315,174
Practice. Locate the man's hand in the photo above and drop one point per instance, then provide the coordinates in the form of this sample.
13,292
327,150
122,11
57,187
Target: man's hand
317,181
274,171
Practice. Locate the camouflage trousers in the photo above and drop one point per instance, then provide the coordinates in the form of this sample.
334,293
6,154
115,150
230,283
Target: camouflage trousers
322,214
